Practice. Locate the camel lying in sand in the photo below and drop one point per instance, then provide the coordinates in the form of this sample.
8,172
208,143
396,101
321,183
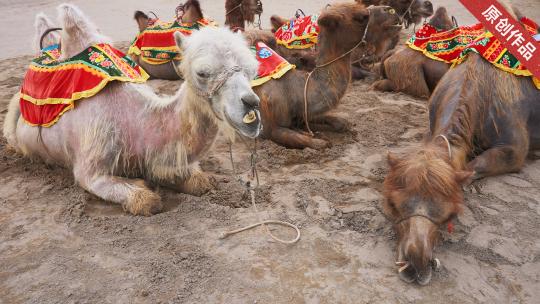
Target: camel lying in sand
343,27
126,132
410,71
411,11
483,121
187,13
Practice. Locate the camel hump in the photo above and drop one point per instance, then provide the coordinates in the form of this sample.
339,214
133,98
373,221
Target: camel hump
74,20
140,14
42,24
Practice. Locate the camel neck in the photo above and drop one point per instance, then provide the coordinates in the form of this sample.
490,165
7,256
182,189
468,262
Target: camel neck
198,123
458,133
329,83
234,17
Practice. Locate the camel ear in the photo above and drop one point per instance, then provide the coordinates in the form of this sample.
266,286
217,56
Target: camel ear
392,159
329,21
180,40
464,177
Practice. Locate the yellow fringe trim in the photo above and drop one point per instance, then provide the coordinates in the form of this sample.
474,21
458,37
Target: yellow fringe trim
84,94
49,124
313,42
287,67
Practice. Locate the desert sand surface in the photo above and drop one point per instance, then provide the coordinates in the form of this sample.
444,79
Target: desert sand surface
60,244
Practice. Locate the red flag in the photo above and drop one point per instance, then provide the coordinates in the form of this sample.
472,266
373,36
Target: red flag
509,32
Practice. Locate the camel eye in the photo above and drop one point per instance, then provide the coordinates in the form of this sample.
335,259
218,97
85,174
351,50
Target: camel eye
203,74
391,11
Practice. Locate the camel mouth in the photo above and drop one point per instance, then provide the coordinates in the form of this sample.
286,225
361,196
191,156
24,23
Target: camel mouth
424,12
409,274
250,126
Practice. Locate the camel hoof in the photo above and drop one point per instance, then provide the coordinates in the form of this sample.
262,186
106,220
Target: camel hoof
143,202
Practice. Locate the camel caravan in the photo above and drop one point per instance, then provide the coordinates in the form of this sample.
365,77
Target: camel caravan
280,84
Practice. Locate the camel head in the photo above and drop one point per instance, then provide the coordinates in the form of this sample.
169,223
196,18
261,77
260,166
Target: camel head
218,65
189,12
412,11
441,20
78,31
42,23
349,23
422,192
237,12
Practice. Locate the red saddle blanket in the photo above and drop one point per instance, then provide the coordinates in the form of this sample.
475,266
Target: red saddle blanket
492,50
299,33
271,64
155,45
51,87
444,45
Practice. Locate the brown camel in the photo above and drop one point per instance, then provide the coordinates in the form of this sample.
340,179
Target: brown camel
483,122
189,12
343,27
410,11
240,12
409,71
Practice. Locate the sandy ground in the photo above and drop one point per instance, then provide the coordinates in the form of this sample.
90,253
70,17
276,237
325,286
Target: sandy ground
59,244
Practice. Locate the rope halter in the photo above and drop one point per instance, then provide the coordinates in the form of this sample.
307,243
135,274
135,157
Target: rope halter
215,85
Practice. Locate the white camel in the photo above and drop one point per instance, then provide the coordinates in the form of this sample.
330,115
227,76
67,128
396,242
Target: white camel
126,135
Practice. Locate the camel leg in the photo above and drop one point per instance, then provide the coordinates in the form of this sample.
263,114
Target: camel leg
499,160
384,85
134,196
329,122
197,183
358,73
297,140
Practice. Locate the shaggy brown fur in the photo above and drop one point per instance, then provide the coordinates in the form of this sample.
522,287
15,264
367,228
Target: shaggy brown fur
409,71
491,119
238,12
282,101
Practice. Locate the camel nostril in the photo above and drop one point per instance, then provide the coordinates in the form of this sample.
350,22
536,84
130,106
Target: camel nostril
250,100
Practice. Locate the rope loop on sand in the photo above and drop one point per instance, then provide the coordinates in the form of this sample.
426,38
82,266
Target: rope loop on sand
255,176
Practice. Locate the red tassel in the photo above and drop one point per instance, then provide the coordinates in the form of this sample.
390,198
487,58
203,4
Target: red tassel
450,227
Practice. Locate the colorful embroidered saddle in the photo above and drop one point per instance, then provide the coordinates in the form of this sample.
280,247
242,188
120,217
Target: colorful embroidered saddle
155,45
491,49
51,87
271,65
299,33
444,45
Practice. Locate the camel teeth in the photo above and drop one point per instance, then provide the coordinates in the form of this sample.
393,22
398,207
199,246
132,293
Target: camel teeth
403,267
250,117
